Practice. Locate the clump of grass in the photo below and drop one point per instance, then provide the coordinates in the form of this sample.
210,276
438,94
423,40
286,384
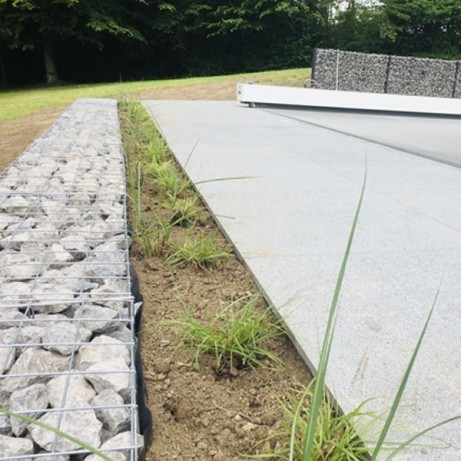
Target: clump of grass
235,337
199,251
170,179
156,149
184,210
139,130
335,436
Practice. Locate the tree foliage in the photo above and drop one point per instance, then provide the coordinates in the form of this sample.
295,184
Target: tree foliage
422,26
88,40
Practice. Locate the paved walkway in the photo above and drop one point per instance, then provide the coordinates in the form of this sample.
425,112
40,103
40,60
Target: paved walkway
290,220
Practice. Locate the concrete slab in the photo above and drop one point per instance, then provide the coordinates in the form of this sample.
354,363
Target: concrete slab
428,136
290,219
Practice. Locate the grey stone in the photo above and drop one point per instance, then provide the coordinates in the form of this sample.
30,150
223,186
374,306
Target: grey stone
19,225
106,315
4,399
119,441
51,297
30,398
16,204
24,337
19,266
9,318
114,290
51,207
72,279
75,243
45,231
59,256
78,389
94,233
16,241
7,220
62,337
35,362
81,424
29,335
7,354
5,425
102,349
13,446
106,260
15,291
112,374
45,319
114,420
122,333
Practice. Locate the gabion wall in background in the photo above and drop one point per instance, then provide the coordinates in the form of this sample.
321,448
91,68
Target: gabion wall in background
375,73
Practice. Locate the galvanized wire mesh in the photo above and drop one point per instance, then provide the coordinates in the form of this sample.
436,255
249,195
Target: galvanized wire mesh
67,339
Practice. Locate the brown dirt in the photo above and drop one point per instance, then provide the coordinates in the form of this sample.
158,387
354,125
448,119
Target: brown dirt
197,414
214,91
17,135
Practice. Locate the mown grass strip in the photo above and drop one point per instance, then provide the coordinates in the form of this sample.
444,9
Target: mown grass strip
15,104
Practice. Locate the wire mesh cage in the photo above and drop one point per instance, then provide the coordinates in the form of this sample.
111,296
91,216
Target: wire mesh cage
67,336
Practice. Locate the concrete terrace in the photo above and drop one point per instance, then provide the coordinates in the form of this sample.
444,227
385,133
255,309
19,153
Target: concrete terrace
290,219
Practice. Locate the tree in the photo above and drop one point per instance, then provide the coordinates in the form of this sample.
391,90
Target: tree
245,35
40,24
422,26
356,27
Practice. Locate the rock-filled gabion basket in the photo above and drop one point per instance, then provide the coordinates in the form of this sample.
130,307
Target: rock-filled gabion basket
68,344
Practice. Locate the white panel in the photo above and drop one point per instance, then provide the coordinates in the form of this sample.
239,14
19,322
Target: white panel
307,97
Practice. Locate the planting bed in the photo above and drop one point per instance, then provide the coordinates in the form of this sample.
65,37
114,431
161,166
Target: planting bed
67,313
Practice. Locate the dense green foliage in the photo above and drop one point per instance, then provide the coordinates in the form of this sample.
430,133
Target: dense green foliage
100,40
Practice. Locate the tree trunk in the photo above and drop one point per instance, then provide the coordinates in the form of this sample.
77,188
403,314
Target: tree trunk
3,74
50,63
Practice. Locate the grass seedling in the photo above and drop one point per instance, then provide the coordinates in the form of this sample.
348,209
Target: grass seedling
335,438
156,150
199,251
235,337
184,210
172,181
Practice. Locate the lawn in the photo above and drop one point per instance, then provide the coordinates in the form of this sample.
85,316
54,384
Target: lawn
15,104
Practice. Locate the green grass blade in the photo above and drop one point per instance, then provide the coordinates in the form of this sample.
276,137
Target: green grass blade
317,395
294,424
418,435
191,153
225,179
64,435
403,384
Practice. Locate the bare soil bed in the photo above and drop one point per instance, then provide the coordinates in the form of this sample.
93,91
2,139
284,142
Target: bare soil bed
197,414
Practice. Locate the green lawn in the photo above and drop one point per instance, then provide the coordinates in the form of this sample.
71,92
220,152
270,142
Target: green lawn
15,104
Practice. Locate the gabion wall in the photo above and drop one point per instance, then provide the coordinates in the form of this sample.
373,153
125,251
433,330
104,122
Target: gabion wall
376,73
68,344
